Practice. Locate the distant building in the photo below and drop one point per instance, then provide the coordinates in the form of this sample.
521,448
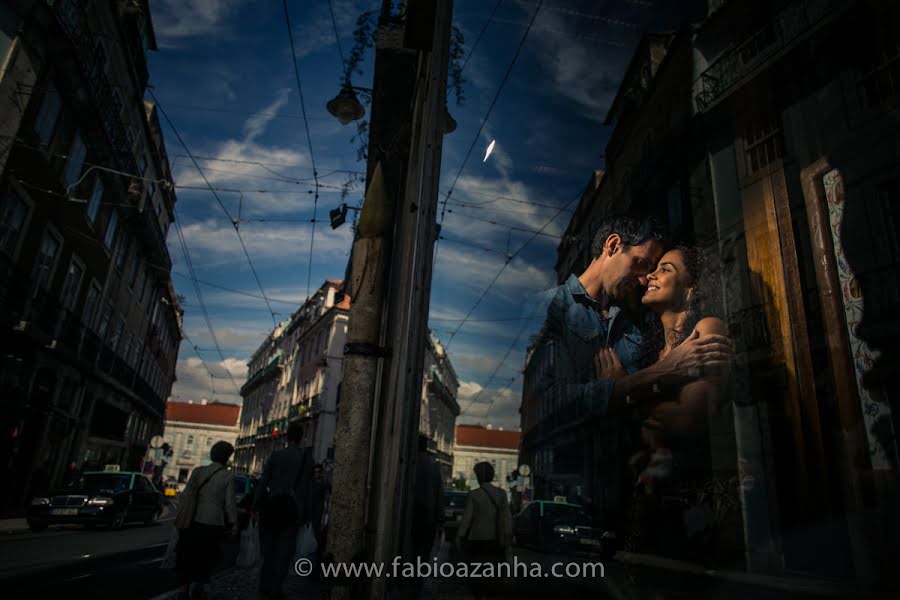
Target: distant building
191,429
439,409
89,323
476,443
295,375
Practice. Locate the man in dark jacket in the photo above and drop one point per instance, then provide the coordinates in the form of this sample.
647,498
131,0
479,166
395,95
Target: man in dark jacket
280,504
428,503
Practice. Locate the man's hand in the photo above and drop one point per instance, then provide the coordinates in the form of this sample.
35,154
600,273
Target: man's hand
607,365
698,356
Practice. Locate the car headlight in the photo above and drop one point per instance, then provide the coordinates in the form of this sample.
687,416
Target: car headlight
564,529
40,501
100,501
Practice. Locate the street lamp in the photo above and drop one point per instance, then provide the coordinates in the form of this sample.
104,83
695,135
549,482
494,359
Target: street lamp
449,121
345,106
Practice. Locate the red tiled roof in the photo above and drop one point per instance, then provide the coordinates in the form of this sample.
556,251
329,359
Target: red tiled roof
334,281
476,435
344,303
214,413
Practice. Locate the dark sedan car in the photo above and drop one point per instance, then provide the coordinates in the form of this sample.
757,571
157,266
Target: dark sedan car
454,505
560,527
109,498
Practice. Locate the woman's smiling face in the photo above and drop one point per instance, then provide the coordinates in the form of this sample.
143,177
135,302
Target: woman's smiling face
669,285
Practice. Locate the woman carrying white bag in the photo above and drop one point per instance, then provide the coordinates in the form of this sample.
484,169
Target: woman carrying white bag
249,555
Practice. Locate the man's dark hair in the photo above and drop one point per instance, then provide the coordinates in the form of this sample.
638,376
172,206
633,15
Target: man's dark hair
632,231
220,452
484,472
295,433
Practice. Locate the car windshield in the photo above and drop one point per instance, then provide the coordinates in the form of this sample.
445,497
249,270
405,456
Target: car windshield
104,481
562,512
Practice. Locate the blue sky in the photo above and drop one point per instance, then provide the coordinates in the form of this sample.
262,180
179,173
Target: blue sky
224,76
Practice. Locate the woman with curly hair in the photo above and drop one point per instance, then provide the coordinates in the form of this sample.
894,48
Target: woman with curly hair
675,463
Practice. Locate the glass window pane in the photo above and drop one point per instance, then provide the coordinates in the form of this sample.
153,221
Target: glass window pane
45,122
12,221
75,161
94,203
111,230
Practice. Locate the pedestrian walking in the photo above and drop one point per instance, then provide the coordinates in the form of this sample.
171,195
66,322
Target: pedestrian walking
428,504
485,530
206,504
280,504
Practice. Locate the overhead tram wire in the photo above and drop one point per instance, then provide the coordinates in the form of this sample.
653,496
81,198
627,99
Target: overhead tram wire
488,114
500,393
509,350
197,352
478,39
337,38
190,266
267,165
234,291
500,272
312,158
219,200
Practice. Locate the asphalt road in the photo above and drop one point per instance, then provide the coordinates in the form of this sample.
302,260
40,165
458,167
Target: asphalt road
25,553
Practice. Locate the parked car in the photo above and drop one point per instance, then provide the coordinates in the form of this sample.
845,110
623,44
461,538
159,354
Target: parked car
560,527
454,504
110,498
244,489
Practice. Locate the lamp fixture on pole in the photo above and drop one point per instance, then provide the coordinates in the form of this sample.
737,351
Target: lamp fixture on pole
346,106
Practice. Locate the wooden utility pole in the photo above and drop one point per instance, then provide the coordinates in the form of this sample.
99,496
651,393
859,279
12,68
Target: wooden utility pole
375,441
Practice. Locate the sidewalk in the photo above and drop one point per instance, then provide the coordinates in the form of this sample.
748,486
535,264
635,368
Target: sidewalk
9,526
242,584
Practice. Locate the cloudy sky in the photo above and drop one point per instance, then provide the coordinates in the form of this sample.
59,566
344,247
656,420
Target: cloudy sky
224,76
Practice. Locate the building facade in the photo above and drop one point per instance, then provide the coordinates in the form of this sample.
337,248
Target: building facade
91,324
295,375
439,408
760,136
475,444
191,429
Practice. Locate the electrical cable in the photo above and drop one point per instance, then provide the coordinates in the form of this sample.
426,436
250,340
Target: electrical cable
487,115
219,200
312,158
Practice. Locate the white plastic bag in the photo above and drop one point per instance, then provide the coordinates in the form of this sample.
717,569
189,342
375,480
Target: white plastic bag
169,557
306,542
248,555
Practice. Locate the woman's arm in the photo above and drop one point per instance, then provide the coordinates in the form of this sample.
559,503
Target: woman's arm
686,415
466,521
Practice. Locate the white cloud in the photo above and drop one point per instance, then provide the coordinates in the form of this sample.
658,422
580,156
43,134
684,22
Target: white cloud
194,382
176,20
213,243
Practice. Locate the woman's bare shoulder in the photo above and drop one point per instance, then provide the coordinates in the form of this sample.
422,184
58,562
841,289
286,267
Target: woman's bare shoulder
711,325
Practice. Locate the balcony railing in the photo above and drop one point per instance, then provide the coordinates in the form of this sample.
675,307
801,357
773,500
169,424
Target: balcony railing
67,335
788,26
272,369
72,18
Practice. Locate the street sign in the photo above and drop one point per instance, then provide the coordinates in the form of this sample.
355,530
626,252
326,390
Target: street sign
156,441
524,470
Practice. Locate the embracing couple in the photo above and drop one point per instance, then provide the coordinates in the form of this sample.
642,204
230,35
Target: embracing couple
634,335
